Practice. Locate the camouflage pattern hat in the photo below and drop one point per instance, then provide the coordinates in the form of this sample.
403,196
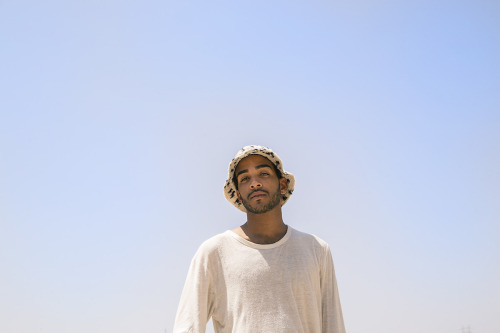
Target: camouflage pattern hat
230,187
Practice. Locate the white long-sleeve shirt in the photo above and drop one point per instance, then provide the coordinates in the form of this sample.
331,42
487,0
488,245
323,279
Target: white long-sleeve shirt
285,287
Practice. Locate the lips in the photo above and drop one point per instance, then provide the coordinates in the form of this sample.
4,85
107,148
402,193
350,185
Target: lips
257,194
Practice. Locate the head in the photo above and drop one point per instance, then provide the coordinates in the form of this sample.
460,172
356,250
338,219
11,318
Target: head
252,159
258,186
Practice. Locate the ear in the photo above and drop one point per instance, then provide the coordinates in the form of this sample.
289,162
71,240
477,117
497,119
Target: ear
283,185
238,194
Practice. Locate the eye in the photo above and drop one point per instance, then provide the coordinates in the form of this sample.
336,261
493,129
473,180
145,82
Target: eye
244,178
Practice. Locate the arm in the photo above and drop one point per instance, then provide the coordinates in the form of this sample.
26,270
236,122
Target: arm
197,299
333,322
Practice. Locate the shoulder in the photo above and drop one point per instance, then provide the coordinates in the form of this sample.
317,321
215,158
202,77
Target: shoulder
212,246
309,243
309,239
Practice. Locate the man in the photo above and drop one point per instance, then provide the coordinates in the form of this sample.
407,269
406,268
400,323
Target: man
264,276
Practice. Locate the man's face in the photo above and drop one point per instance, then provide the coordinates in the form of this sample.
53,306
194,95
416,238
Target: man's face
259,188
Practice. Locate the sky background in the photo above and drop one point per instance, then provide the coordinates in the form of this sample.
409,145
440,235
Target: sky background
118,120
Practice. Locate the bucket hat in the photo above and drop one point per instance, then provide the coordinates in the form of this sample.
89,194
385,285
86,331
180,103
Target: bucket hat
230,187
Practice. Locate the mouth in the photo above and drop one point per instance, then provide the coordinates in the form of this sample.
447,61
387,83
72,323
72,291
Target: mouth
257,194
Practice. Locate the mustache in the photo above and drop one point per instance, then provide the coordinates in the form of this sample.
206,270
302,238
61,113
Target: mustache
254,191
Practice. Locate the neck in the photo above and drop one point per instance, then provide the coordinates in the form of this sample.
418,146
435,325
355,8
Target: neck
266,228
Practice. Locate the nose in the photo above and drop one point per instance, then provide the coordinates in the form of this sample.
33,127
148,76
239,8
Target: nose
255,184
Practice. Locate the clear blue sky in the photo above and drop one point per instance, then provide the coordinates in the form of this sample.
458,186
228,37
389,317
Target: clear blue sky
118,120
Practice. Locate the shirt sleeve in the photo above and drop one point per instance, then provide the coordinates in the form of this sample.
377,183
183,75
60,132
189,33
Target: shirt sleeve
332,320
197,299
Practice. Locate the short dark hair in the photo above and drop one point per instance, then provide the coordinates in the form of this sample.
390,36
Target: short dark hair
276,171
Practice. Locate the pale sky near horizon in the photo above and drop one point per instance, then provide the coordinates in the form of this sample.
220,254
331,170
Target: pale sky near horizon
118,120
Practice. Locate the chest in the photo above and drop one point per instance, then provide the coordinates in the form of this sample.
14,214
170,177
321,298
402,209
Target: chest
271,269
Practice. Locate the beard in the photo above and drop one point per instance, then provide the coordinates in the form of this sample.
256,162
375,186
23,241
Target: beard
275,201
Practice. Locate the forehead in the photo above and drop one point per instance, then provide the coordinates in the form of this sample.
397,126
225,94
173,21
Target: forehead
251,161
